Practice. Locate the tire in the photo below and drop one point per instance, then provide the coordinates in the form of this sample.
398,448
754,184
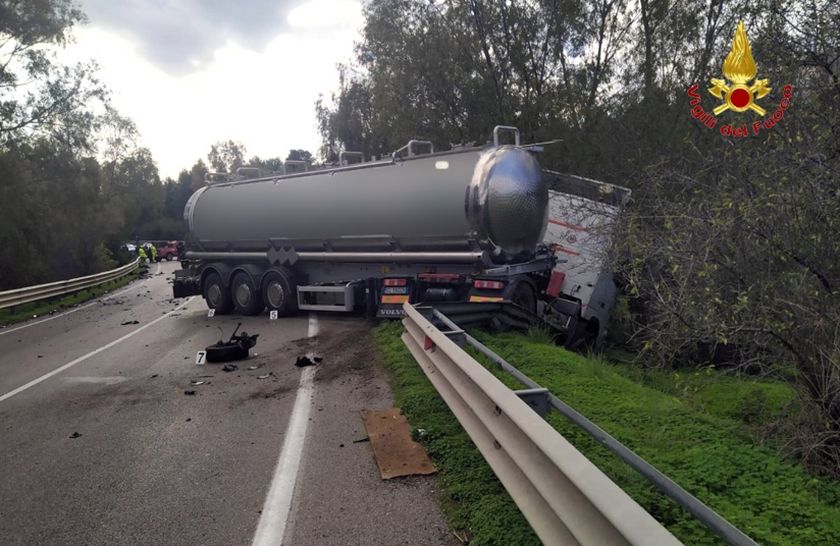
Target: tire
279,291
523,293
245,295
170,257
215,294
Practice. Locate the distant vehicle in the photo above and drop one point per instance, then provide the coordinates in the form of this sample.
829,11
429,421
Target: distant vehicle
131,247
168,251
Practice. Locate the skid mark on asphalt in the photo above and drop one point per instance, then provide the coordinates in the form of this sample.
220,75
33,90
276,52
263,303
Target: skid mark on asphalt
278,502
90,354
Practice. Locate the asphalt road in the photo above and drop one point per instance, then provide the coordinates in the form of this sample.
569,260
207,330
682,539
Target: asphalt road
99,444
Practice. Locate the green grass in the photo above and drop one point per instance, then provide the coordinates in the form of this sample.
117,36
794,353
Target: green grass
693,428
27,311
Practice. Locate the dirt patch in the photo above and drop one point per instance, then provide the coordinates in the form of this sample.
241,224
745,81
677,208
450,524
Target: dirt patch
348,349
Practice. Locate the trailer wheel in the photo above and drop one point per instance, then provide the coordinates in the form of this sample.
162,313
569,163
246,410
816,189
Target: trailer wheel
523,293
279,291
246,298
215,294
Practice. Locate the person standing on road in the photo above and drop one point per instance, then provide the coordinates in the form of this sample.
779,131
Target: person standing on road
142,255
153,249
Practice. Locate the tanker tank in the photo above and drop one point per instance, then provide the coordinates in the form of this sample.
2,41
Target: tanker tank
490,202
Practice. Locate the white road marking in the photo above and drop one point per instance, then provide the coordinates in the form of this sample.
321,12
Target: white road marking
90,354
64,314
275,513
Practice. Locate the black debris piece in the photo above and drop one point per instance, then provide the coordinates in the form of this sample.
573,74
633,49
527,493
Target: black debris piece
236,348
189,419
230,368
189,393
40,356
76,435
154,375
307,360
126,323
361,440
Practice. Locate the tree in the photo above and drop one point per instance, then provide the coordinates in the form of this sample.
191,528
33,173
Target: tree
38,95
299,155
227,156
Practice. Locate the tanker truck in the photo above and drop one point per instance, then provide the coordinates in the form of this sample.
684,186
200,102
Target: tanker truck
464,225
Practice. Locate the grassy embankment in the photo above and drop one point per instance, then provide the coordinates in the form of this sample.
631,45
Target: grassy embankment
698,428
39,308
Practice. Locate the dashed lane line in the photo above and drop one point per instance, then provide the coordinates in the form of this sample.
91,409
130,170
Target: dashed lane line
90,354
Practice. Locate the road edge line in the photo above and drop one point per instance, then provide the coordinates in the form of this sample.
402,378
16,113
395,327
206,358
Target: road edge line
271,527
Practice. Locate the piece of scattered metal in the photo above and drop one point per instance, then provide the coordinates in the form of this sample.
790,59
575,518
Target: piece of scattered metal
128,322
230,368
264,376
189,393
76,435
236,348
197,383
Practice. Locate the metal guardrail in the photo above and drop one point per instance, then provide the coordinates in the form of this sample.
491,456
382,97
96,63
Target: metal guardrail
28,294
546,401
565,498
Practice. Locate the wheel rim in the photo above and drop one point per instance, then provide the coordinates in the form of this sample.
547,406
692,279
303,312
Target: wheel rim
275,294
214,295
243,295
524,298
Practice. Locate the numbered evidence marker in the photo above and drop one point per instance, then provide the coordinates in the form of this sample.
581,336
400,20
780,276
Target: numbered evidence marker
210,313
272,315
200,357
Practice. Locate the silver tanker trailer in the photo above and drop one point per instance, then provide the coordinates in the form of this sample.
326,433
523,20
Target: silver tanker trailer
465,225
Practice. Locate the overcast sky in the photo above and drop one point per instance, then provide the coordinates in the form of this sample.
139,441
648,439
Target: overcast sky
193,72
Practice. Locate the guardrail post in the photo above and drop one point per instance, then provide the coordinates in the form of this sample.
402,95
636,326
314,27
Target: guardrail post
537,399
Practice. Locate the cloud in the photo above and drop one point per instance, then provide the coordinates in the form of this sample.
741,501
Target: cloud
258,91
180,35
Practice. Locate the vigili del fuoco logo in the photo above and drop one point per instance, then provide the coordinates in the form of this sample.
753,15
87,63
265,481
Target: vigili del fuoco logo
738,95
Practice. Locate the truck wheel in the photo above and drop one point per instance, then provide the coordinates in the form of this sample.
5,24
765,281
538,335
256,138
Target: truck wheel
215,294
522,293
246,298
279,291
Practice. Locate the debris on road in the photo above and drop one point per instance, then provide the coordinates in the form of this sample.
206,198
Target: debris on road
40,356
197,383
154,375
230,368
361,440
126,323
395,452
307,360
189,393
264,376
76,435
253,367
236,348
